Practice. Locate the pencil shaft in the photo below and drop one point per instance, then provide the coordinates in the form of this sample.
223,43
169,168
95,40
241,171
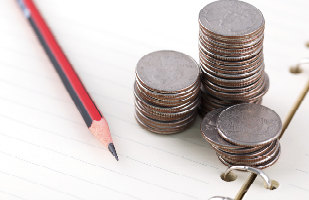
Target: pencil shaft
64,78
74,86
91,115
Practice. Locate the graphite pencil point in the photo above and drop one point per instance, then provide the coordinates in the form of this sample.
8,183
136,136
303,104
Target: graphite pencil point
112,149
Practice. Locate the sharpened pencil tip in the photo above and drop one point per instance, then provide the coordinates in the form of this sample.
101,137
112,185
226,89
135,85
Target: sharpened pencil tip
112,149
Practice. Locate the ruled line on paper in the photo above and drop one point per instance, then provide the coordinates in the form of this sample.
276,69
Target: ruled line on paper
53,170
50,112
123,37
180,156
86,181
95,93
43,60
125,86
107,48
105,113
167,151
112,99
29,181
101,79
42,129
43,111
105,32
13,195
33,91
299,187
102,63
115,119
302,171
4,64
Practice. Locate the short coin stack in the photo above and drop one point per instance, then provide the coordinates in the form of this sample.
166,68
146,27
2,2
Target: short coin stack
167,92
244,134
231,54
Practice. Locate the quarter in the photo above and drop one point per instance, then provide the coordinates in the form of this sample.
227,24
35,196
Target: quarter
249,125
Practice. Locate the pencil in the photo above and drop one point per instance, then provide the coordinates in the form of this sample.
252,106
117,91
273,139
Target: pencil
87,108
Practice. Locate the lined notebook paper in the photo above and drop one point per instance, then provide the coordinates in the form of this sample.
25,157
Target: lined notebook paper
292,169
46,150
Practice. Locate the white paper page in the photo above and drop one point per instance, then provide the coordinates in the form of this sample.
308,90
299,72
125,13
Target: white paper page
46,150
291,170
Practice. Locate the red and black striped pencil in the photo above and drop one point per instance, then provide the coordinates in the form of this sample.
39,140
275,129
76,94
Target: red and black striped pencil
92,116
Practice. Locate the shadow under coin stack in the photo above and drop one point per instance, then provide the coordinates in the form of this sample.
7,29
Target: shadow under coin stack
231,55
167,92
244,134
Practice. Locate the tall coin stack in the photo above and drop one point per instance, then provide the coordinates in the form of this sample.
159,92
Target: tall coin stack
231,54
167,92
244,134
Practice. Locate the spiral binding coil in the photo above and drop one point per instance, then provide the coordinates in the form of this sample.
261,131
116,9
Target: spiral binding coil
297,68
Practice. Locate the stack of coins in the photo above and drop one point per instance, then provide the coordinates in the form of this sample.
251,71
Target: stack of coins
231,54
167,92
244,134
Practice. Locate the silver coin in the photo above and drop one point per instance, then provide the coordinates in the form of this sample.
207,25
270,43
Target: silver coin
235,76
248,88
187,106
240,150
167,92
254,156
210,132
209,106
212,104
249,125
169,96
231,44
255,161
214,48
224,69
233,82
237,40
167,71
165,130
167,102
164,124
162,116
232,58
231,54
240,95
266,164
224,102
228,65
231,18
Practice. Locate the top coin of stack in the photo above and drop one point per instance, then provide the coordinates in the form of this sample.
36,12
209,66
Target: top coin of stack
231,54
244,134
166,91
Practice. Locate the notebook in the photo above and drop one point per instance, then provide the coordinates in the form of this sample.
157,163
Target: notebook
46,150
291,170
